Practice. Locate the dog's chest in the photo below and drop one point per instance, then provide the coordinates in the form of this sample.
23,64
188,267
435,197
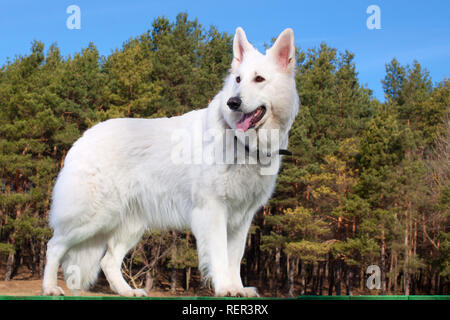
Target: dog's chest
244,187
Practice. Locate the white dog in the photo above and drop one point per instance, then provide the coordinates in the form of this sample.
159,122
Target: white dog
119,179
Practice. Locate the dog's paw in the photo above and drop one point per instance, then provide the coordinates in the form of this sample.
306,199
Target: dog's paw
247,292
134,293
226,293
53,291
250,292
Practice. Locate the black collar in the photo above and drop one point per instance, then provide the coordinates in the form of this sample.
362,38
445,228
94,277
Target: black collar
283,152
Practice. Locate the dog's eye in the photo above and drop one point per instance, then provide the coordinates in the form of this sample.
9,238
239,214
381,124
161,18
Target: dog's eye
238,79
259,79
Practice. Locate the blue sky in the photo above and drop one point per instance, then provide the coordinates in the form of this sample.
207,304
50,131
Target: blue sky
409,29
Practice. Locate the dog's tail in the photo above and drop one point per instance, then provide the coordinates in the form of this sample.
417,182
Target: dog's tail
81,263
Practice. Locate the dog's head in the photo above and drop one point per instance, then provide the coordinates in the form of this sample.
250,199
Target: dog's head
260,92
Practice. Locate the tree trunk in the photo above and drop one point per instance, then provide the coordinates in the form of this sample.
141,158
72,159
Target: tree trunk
338,278
322,269
391,274
291,275
406,283
436,282
395,278
149,281
188,277
383,262
276,274
41,258
413,285
173,281
302,278
34,257
315,278
361,278
260,279
415,237
330,277
349,281
9,266
173,275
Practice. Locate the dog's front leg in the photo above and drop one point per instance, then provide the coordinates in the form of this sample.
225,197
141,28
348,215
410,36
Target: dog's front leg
209,225
237,236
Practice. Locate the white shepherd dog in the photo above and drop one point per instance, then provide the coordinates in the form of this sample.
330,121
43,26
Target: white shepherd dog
121,177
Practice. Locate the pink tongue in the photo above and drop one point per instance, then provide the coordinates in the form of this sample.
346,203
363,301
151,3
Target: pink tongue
244,122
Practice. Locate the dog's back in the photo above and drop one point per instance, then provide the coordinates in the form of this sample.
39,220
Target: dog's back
121,167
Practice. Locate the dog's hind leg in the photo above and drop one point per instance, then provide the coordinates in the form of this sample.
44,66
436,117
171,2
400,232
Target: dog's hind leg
56,249
75,248
119,244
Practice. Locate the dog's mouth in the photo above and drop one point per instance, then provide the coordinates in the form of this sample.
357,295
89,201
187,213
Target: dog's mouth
249,120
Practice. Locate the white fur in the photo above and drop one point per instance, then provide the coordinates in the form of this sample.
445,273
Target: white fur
118,181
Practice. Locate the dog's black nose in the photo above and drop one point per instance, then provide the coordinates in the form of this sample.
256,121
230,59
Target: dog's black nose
234,103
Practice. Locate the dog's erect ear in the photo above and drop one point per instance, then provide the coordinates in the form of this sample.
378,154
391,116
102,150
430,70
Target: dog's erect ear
240,46
283,50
